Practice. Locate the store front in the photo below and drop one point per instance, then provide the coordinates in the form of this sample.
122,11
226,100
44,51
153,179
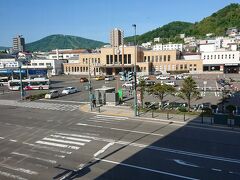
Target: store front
231,68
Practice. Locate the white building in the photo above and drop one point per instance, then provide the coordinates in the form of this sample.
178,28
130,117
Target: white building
56,66
64,54
147,45
224,61
166,47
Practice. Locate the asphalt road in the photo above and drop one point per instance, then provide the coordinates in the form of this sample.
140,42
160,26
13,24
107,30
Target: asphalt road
42,140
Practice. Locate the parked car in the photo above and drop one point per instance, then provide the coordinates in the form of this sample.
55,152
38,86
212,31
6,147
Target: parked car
69,90
83,79
179,76
162,77
128,84
109,78
171,83
150,83
98,78
52,94
143,77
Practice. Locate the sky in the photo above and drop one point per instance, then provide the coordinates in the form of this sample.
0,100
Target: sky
94,19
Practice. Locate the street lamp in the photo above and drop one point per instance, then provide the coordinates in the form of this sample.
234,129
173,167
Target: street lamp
21,84
89,85
135,71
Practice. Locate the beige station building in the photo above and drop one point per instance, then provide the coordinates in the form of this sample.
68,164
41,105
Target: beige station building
111,60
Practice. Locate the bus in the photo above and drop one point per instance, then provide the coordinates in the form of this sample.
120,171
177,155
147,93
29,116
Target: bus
4,80
29,84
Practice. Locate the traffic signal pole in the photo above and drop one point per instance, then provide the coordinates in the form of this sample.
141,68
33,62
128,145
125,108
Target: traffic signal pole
135,72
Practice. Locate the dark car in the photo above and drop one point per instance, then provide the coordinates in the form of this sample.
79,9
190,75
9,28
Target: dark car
83,79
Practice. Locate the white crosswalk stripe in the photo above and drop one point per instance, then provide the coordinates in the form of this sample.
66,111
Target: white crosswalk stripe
41,105
63,141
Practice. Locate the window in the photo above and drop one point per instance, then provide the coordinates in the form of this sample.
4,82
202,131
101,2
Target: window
211,56
152,58
195,69
80,69
129,59
181,66
107,58
41,64
222,56
48,64
190,65
218,56
120,59
207,56
204,57
86,69
229,56
99,60
66,69
177,67
34,64
72,69
215,56
195,65
169,57
83,60
160,58
115,59
83,69
225,56
164,58
148,58
125,59
111,59
145,58
185,66
92,60
77,69
156,57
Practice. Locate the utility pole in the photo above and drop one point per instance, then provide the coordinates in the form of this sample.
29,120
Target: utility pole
135,72
21,84
89,85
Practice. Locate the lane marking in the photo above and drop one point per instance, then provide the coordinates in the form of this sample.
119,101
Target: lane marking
118,129
57,145
214,169
26,171
71,138
103,149
12,176
184,163
114,117
2,138
12,140
64,141
147,169
48,148
38,158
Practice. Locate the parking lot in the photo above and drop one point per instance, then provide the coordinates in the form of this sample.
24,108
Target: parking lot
208,82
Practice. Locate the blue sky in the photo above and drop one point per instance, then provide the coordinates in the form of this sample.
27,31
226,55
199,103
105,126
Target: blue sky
93,19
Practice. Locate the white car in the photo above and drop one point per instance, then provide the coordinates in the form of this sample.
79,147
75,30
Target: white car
69,90
179,76
109,78
171,83
128,84
52,94
162,77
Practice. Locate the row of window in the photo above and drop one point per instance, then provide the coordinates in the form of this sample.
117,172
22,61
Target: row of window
115,59
41,64
227,56
176,67
161,58
78,69
93,60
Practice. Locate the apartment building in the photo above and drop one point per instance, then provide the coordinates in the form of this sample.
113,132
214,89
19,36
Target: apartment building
19,44
167,47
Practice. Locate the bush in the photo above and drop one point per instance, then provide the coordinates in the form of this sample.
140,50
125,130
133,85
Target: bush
35,97
182,109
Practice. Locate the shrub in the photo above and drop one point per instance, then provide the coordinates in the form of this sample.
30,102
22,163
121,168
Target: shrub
182,109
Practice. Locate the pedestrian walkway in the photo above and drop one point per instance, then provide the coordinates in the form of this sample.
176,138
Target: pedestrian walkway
40,105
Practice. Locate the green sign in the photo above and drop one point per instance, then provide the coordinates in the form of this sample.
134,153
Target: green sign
120,94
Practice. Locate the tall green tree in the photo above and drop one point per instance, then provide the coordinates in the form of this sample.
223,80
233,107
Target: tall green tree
160,91
189,91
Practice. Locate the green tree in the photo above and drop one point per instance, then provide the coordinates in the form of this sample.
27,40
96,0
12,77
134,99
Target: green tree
160,91
189,91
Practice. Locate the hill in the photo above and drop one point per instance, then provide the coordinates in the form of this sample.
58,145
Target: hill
3,48
217,23
62,42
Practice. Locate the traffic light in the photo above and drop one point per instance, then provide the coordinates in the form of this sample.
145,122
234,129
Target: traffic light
130,76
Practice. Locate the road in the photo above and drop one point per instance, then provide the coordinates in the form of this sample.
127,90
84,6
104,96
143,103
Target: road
46,140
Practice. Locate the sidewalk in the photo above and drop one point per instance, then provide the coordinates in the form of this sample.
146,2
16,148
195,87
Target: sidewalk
126,111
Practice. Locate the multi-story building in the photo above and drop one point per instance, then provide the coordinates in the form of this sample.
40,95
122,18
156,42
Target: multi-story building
64,54
18,44
116,37
166,47
221,61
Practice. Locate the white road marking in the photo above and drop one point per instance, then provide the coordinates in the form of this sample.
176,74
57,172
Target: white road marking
71,138
48,148
12,140
26,171
147,169
11,176
103,149
38,158
216,169
2,138
114,117
118,129
175,151
64,141
102,121
57,145
61,156
185,163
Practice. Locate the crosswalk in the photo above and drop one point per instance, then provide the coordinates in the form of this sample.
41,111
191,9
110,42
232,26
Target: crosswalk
41,105
45,152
